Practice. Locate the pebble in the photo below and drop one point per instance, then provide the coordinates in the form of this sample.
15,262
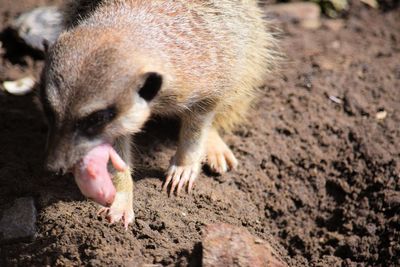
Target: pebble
381,115
20,87
19,221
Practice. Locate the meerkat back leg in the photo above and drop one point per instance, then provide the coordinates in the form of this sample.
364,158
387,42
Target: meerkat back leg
122,207
220,158
185,165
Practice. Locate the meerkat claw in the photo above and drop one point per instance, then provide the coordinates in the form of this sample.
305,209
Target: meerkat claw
120,210
181,176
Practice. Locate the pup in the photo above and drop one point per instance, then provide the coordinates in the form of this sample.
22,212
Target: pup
119,62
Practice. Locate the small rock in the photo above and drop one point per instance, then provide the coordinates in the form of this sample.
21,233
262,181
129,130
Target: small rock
19,221
227,245
355,104
307,14
43,24
19,87
381,115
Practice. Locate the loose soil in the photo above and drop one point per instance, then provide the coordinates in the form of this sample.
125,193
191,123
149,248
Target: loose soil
318,173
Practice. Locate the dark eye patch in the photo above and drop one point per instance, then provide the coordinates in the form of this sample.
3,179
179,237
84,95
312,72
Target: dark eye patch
92,124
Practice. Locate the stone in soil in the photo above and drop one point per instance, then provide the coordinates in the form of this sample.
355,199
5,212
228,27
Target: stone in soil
228,245
18,221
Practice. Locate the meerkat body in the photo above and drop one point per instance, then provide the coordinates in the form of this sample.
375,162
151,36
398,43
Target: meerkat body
125,60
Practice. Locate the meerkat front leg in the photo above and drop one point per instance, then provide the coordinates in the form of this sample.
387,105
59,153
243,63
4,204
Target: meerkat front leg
122,207
185,165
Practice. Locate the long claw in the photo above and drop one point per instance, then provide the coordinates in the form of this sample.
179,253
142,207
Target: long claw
175,180
121,209
183,181
169,177
174,184
231,160
180,177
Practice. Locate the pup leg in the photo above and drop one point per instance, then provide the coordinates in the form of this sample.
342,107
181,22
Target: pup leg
185,165
122,207
220,158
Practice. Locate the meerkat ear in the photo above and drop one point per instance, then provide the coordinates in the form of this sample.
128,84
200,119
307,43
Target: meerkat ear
151,87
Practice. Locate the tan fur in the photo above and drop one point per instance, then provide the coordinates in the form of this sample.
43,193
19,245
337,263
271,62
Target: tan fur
212,62
212,56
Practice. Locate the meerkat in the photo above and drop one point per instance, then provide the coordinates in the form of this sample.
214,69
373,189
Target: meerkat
118,62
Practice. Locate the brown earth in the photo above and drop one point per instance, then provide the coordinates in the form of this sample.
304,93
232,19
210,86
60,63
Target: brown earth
318,173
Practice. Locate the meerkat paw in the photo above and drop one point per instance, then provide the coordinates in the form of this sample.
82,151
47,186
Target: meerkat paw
181,176
121,209
219,157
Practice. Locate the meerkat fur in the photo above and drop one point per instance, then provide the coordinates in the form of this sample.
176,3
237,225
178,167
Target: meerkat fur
199,60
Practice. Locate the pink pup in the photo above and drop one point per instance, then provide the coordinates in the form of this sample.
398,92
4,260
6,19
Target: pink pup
92,176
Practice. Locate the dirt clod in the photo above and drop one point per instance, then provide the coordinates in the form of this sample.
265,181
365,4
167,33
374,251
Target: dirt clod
18,222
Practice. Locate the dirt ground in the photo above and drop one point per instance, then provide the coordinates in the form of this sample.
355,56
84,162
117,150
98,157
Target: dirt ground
318,173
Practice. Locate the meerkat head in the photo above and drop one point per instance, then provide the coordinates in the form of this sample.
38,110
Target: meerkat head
92,92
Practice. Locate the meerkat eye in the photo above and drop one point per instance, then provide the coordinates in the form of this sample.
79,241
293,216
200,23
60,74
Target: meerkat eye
151,86
93,123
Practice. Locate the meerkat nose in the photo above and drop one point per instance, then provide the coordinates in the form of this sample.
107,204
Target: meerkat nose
57,170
